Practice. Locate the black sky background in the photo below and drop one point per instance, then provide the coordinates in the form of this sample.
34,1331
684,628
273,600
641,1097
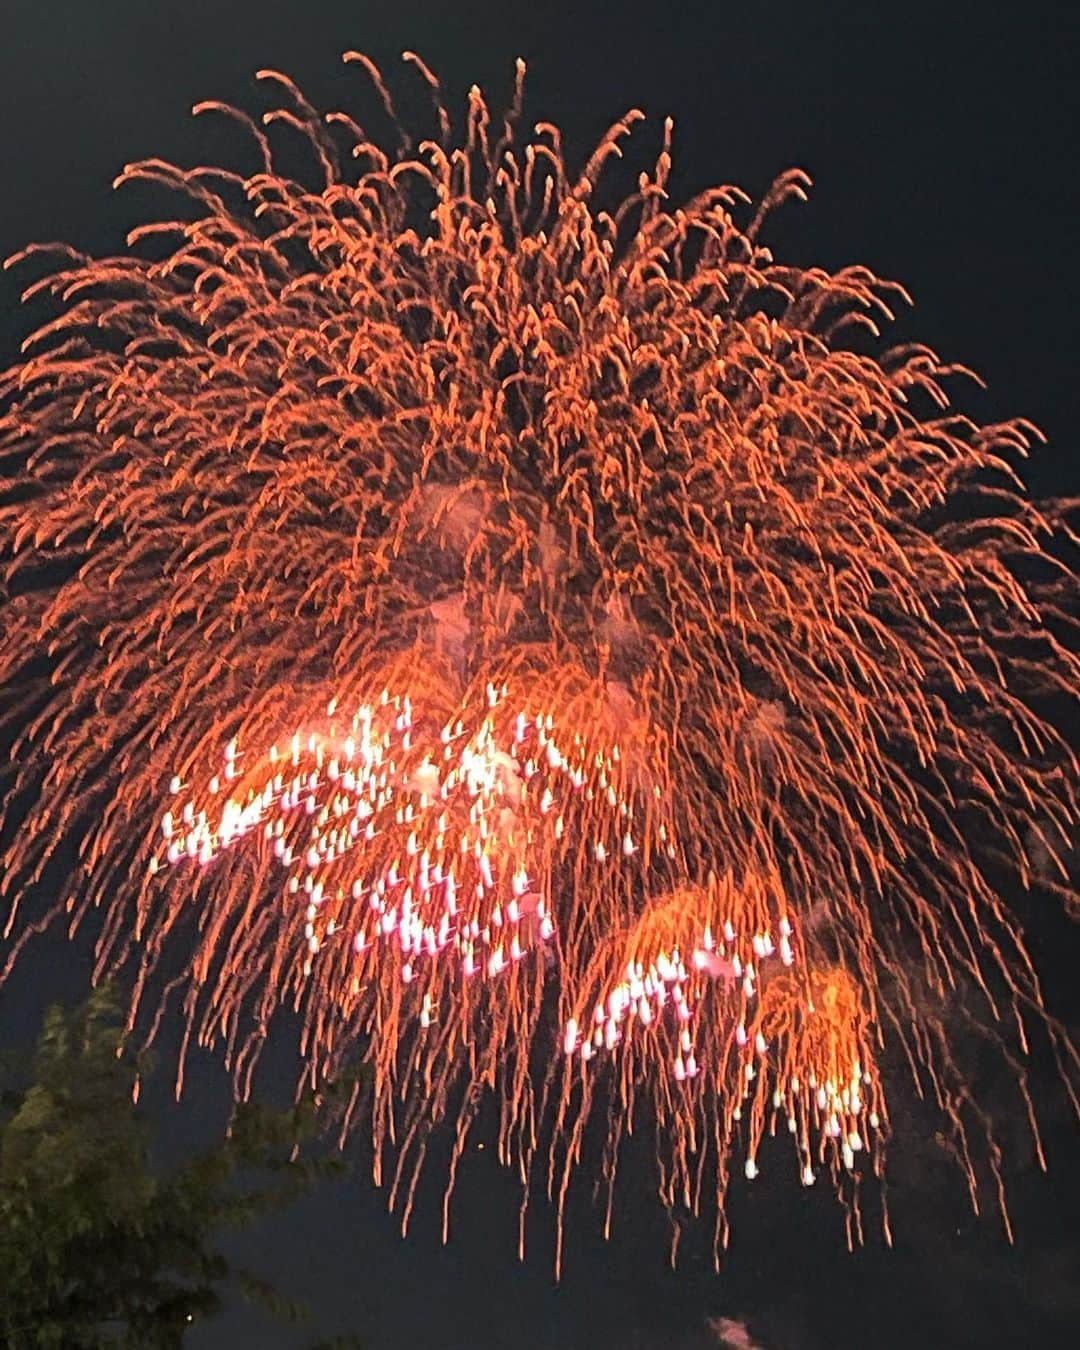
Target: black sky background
941,141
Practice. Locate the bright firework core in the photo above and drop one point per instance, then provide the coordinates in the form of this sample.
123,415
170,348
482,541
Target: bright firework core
519,633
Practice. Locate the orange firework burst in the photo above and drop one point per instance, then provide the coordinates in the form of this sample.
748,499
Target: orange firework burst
526,638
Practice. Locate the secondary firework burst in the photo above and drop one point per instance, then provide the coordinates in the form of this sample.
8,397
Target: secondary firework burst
521,632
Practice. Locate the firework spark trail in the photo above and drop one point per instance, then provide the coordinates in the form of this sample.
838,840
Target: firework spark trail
527,637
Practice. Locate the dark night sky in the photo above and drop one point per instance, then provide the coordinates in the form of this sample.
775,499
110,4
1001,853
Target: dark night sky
940,142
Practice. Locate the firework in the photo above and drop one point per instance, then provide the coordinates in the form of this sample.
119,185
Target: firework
525,637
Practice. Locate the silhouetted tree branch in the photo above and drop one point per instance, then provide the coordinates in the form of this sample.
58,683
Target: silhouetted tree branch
97,1250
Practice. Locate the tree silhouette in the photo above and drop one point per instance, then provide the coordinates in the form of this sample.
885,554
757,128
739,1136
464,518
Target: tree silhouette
97,1250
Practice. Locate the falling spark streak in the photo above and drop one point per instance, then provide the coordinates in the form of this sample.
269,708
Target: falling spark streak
523,637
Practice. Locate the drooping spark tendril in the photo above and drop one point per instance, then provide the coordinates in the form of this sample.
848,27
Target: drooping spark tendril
526,638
